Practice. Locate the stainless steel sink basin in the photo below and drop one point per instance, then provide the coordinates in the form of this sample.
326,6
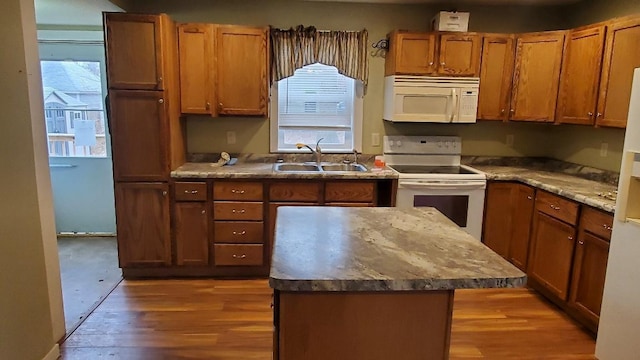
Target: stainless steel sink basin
296,167
343,167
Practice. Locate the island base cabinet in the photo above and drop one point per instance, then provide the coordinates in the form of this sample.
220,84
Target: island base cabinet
367,325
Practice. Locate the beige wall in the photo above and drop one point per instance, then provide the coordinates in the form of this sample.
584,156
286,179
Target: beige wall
30,305
483,138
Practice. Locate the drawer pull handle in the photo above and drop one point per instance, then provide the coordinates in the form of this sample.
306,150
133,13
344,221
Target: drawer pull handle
241,211
239,256
234,191
191,192
555,207
606,227
240,233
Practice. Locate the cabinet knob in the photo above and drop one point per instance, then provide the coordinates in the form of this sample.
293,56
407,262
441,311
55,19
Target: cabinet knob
160,79
241,211
580,242
164,193
598,115
431,63
590,114
204,211
234,191
220,106
512,110
240,233
239,256
529,197
502,111
161,101
570,238
442,63
207,106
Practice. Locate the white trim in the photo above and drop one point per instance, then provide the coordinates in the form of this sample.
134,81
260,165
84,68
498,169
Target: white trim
53,354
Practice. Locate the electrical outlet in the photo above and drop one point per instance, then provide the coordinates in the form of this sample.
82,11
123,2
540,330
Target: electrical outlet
231,137
375,139
604,147
510,140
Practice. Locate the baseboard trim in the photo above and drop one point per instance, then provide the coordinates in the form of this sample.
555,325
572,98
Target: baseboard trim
53,354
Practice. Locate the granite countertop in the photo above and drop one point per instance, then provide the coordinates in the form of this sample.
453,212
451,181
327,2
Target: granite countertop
381,249
570,186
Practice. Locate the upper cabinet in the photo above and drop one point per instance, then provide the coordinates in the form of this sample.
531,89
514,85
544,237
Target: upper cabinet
536,76
242,70
444,54
223,69
495,76
620,59
580,76
134,51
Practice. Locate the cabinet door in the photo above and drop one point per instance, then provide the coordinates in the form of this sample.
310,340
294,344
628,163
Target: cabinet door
551,254
523,201
411,53
498,222
191,233
138,124
459,55
196,44
620,59
142,222
496,72
589,268
242,70
134,51
536,77
580,76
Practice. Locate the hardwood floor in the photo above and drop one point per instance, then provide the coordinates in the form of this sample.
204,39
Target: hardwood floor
232,319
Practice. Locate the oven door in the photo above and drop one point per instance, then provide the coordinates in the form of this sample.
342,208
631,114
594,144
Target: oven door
462,201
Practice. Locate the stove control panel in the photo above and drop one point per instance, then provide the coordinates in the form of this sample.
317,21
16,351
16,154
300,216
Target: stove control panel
423,145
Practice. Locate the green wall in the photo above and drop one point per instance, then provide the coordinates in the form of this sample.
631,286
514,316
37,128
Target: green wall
575,144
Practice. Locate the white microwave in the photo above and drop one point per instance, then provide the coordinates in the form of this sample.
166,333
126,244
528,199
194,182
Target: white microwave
430,99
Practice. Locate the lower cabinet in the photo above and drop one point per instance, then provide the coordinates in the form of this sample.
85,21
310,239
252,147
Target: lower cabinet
143,224
507,222
191,228
590,265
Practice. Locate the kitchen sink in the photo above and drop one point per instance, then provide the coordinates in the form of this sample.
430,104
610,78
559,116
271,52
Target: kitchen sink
325,167
343,167
296,167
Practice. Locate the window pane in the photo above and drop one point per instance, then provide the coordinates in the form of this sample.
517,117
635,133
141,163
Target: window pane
74,110
316,102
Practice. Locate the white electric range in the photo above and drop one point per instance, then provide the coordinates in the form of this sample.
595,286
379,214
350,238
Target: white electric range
430,174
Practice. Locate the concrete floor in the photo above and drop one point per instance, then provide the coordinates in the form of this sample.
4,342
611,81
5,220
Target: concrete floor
89,271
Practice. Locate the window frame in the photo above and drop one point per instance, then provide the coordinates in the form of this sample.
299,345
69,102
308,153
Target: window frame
356,127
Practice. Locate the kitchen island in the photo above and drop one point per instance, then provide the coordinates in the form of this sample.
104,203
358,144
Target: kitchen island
373,283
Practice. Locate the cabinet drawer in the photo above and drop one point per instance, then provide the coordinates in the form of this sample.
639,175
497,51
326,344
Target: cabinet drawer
557,207
237,190
234,210
239,232
596,222
344,191
291,191
190,191
238,255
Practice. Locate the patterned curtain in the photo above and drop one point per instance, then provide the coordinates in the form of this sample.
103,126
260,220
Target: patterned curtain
300,46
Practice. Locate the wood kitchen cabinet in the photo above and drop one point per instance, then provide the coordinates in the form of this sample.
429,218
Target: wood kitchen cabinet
581,68
553,243
223,69
507,222
134,50
444,54
197,51
620,59
536,76
191,224
143,223
590,265
496,71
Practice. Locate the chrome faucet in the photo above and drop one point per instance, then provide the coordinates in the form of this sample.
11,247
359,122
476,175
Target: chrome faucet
317,151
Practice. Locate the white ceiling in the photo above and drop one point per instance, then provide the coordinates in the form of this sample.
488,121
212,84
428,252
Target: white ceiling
72,12
89,12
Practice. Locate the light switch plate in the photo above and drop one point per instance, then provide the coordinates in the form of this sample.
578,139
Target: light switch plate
375,139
